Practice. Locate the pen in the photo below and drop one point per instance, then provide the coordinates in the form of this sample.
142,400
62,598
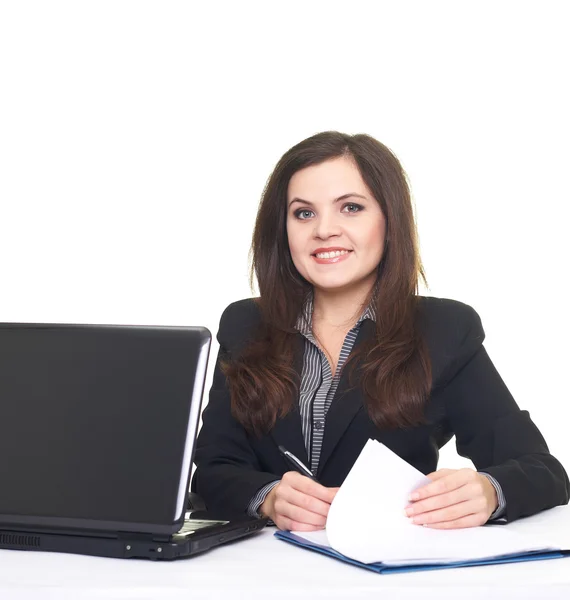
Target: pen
296,463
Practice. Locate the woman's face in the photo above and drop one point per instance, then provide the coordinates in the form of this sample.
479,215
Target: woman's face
335,227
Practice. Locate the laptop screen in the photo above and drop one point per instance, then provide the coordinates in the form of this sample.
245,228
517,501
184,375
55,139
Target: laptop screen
98,422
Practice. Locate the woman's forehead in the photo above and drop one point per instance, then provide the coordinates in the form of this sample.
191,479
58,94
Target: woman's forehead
327,180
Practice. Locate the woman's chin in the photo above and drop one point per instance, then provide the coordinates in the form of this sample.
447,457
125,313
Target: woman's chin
335,285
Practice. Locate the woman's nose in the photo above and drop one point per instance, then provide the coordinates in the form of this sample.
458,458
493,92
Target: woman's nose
326,226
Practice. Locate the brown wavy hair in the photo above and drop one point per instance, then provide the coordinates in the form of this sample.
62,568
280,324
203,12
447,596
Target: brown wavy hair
394,369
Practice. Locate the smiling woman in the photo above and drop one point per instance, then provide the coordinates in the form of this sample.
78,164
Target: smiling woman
339,348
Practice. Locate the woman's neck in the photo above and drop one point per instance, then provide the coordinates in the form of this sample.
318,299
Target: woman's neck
340,308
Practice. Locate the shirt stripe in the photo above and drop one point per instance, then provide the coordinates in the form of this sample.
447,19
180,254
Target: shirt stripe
502,503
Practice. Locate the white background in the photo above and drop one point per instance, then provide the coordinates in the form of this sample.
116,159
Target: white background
136,138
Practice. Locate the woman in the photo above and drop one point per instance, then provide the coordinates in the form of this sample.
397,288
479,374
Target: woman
339,348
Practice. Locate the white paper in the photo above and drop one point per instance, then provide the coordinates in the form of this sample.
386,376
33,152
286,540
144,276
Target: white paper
366,520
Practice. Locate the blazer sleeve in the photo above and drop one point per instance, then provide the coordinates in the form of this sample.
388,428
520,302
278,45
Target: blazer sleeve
495,434
228,472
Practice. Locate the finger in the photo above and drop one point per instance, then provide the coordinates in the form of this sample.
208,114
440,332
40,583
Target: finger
287,524
447,483
469,521
304,501
310,487
465,492
449,513
435,475
296,513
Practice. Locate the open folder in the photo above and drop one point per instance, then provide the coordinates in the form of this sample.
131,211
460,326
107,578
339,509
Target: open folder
367,527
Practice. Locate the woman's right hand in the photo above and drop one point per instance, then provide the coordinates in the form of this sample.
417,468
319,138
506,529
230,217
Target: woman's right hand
298,503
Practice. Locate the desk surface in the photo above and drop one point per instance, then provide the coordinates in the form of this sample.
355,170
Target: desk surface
264,567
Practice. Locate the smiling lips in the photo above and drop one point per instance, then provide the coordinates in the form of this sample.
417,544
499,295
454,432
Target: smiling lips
328,256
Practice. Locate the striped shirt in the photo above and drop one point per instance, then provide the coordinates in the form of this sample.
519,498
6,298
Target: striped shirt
318,387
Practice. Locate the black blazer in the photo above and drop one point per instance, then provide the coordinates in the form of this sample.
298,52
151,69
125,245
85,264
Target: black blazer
468,399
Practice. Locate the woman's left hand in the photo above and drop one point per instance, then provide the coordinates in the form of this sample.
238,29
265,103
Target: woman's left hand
454,499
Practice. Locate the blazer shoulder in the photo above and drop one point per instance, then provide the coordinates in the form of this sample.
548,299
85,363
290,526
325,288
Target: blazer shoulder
451,315
238,323
453,332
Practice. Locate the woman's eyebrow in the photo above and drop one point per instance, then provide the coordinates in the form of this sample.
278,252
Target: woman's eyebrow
339,199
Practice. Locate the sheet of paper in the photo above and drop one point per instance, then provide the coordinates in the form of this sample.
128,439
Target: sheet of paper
367,522
370,503
315,537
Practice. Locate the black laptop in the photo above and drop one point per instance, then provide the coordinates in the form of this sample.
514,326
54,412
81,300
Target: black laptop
97,433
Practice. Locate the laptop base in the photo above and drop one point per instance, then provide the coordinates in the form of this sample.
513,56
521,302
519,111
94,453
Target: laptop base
130,546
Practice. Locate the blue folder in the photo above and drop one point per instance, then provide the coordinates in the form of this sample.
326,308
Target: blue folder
379,567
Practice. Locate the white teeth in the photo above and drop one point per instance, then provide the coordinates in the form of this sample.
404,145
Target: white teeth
331,254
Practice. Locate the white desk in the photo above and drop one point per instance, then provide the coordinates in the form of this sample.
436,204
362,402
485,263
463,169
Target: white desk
264,567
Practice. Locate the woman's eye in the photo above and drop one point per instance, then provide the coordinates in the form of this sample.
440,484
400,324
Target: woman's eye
352,208
303,213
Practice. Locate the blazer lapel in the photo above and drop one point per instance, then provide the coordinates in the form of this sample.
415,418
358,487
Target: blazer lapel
288,431
345,405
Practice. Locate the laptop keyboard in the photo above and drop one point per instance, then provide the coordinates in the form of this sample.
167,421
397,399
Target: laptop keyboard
190,525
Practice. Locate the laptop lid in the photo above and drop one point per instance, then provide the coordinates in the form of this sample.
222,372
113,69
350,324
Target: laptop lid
98,424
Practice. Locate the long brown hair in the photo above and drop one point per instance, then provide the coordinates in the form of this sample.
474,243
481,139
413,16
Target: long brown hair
394,370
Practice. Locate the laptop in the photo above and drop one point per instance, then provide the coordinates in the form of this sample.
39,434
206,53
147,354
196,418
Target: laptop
97,432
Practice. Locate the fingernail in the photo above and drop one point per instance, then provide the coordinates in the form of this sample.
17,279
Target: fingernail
409,511
413,496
